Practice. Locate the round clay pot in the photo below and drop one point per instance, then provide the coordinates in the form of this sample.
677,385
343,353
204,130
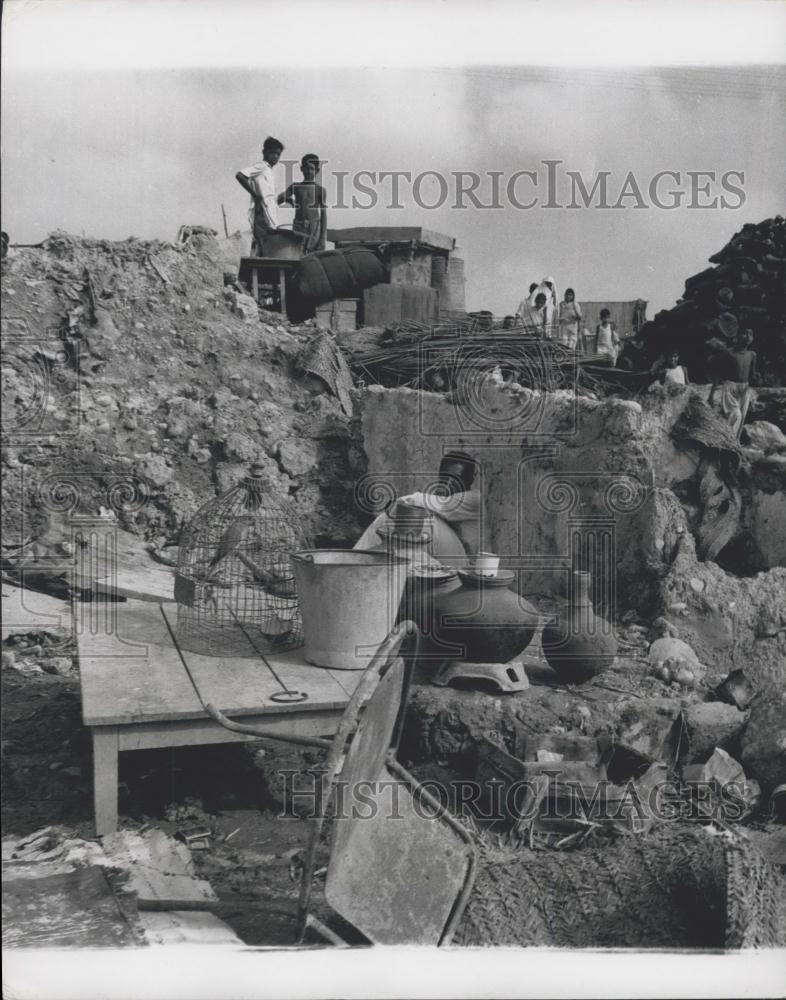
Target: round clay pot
483,621
422,592
579,644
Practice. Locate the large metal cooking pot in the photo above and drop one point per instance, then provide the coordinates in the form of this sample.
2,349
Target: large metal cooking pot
283,244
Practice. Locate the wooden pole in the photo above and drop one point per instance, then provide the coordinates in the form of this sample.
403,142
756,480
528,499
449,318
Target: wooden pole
223,212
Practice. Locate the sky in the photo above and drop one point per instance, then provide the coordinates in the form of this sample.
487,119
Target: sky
131,117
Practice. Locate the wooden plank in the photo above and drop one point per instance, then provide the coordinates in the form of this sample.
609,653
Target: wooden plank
75,909
263,267
392,234
118,689
26,611
273,262
160,868
203,732
134,573
157,587
105,770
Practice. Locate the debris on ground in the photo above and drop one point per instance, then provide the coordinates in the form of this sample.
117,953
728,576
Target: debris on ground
169,381
158,392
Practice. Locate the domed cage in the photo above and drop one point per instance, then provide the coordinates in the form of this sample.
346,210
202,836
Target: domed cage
235,589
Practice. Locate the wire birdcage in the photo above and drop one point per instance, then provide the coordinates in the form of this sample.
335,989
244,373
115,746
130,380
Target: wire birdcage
235,589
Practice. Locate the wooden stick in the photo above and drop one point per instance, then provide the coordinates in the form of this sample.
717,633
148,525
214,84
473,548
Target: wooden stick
230,906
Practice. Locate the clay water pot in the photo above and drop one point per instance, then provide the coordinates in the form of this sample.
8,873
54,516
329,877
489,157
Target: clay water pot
422,592
409,519
579,644
483,621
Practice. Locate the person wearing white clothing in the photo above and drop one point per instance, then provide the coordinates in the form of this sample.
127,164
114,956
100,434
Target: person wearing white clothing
569,319
549,289
608,343
675,373
457,510
259,181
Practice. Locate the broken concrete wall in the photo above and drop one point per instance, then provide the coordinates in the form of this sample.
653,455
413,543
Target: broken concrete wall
555,468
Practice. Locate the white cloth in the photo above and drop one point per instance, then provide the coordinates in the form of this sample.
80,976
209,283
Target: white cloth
532,319
569,319
607,341
675,376
261,177
551,303
448,546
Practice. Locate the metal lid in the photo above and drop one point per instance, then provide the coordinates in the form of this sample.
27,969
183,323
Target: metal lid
503,578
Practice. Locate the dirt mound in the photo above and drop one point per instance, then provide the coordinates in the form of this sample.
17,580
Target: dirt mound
136,380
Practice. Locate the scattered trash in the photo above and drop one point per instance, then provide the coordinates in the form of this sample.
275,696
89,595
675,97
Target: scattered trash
733,797
189,809
720,767
737,689
708,725
195,838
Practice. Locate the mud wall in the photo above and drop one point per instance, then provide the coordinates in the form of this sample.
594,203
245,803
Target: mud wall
574,481
559,474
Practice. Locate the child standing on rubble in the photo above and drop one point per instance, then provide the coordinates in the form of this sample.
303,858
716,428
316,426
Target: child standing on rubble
608,343
569,319
675,373
734,370
309,201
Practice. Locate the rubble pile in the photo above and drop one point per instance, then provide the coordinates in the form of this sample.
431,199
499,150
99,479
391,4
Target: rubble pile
745,289
133,362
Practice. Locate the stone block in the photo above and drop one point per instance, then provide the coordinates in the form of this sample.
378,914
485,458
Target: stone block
764,741
708,725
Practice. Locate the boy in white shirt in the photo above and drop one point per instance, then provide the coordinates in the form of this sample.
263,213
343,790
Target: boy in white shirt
259,181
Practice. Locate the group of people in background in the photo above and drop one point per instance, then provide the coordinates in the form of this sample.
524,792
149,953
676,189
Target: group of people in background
542,314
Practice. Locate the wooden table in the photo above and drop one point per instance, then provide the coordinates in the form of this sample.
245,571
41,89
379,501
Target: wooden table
136,695
267,270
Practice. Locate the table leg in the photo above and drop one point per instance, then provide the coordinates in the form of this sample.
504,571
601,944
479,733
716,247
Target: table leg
282,290
105,761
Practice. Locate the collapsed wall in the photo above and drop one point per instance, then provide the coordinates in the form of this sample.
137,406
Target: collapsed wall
132,363
570,480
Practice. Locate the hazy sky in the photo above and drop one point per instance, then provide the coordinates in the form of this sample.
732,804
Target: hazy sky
115,152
